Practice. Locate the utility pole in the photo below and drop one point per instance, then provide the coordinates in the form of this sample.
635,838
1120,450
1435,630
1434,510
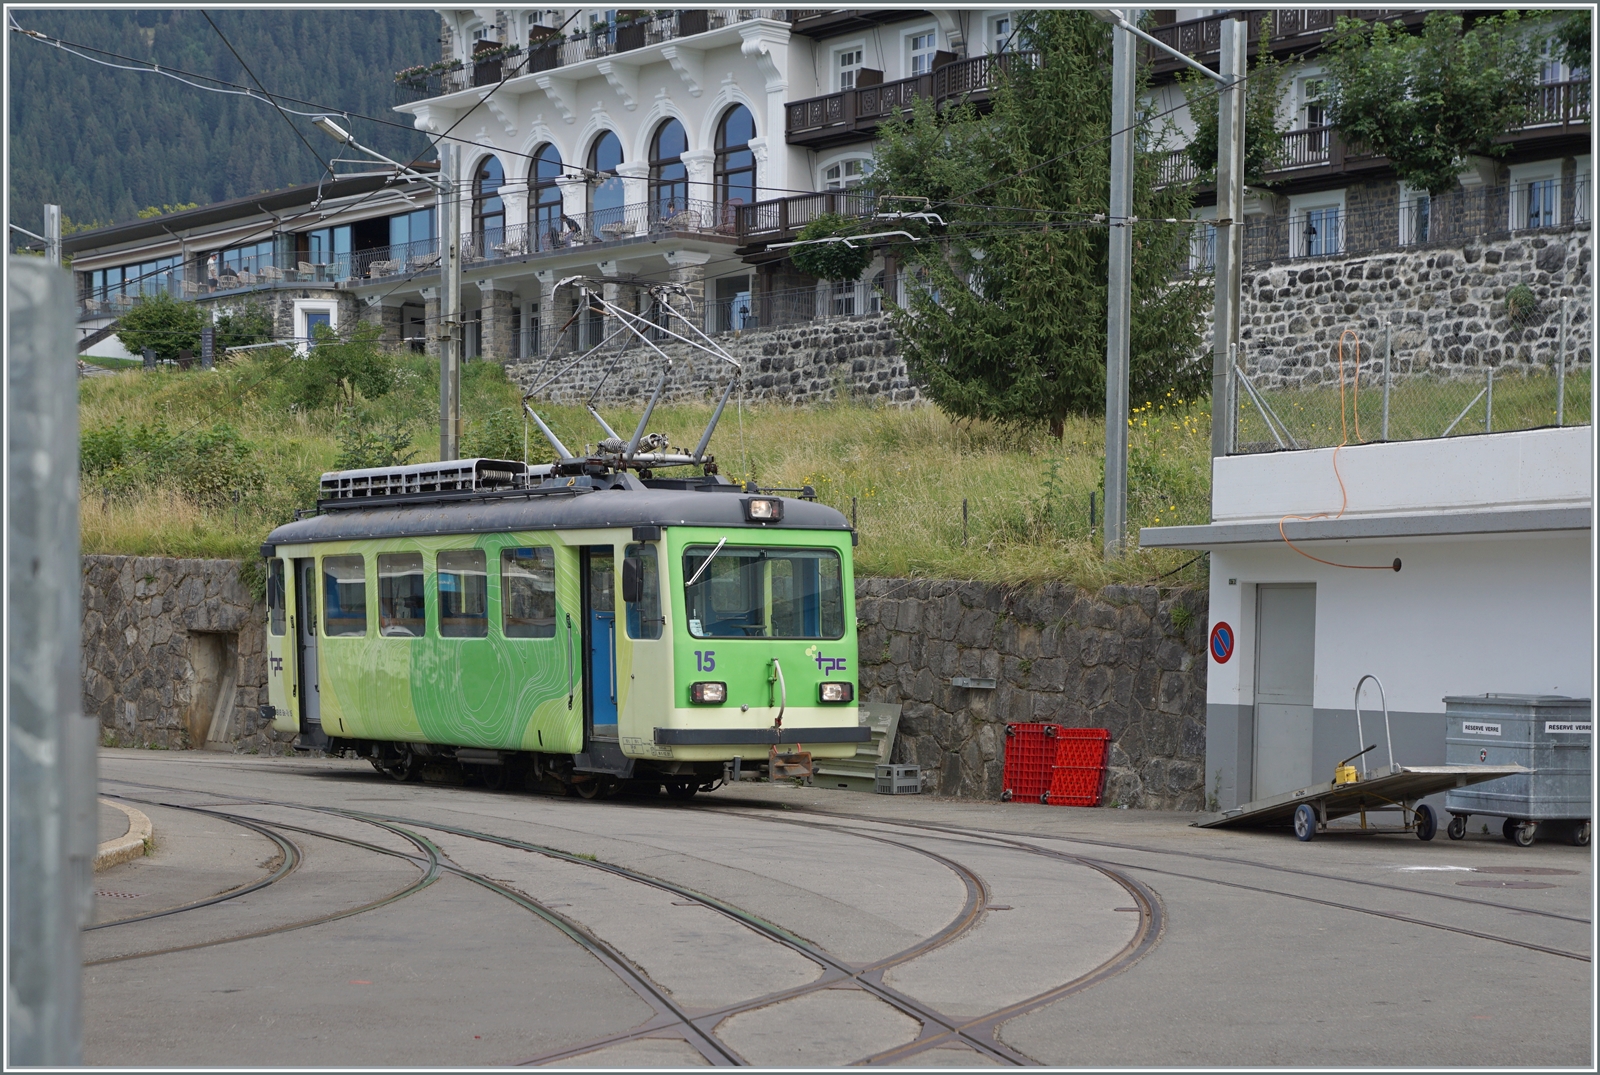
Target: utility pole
52,233
1119,286
50,767
449,336
1230,227
1230,244
447,214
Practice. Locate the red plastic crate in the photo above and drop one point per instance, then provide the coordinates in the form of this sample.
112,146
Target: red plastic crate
1078,776
1030,761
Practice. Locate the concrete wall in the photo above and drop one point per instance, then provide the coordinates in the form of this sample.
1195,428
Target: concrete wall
1129,659
855,356
1535,468
171,647
1466,616
173,654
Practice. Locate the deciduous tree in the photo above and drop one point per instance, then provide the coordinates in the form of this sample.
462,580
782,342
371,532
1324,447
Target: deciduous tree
1429,101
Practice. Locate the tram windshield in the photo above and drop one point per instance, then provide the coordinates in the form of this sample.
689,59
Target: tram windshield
764,593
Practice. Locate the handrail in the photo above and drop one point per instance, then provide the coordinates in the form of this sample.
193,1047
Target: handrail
1388,733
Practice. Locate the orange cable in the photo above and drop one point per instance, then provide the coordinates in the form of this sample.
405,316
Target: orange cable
1344,496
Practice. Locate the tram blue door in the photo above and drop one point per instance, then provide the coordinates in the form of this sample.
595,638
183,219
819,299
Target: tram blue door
310,695
600,642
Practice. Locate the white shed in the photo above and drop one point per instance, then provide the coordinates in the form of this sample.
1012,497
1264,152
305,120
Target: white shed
1493,536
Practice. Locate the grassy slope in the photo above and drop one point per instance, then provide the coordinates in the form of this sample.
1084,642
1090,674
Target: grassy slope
908,468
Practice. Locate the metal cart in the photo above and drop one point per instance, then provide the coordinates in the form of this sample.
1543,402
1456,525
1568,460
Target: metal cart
1396,788
1549,734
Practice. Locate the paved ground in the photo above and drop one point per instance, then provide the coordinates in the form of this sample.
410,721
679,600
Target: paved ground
321,914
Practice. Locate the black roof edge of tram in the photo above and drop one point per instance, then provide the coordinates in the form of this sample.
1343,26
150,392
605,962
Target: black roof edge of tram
543,508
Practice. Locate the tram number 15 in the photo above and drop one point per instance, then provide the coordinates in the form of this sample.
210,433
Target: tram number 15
705,660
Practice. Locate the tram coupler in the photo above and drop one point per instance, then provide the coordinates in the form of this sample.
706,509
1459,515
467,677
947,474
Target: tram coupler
792,766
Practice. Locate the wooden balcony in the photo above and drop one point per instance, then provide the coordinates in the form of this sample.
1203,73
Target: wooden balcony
1293,30
853,115
781,219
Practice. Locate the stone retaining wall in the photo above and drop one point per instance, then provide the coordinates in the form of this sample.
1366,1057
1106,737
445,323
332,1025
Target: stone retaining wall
856,356
1446,306
1129,658
174,655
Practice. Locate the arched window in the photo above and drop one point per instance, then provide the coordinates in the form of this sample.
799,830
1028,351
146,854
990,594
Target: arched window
544,201
488,211
669,179
605,188
736,164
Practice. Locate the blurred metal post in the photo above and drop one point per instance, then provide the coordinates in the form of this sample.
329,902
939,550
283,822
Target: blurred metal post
52,233
449,328
50,773
1488,403
1387,351
1119,283
1230,218
1561,370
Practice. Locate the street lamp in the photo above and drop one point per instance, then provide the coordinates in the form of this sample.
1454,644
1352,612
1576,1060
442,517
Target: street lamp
446,211
326,125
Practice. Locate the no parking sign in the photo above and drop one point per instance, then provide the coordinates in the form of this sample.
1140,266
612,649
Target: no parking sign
1221,642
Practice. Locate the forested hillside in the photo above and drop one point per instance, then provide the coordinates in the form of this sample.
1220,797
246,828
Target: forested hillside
105,143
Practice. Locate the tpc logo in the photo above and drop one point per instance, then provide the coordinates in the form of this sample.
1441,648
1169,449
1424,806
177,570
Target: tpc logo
827,665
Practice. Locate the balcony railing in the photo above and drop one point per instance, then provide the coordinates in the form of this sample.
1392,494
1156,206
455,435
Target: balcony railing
862,109
1202,38
1559,103
782,217
599,41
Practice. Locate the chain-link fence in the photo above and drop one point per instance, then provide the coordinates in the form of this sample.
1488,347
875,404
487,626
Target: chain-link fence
1524,365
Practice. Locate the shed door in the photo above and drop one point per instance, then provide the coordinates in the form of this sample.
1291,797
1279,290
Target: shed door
1286,618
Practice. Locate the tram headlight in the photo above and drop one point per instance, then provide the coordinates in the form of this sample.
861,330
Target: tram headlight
708,693
836,693
763,509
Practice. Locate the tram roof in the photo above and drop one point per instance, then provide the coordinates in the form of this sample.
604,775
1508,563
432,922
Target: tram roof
579,509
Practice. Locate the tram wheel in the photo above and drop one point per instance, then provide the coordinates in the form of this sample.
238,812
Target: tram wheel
407,766
498,777
681,792
589,789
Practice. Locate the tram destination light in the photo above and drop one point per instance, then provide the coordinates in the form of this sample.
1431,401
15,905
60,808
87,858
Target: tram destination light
708,693
763,510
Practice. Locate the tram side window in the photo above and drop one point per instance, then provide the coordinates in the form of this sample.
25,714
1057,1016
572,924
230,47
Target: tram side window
400,609
277,615
463,594
644,614
528,592
344,596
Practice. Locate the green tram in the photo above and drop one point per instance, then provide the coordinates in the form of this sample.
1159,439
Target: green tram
579,623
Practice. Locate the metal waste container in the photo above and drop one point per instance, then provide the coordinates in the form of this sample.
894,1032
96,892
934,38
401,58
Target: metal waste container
1547,733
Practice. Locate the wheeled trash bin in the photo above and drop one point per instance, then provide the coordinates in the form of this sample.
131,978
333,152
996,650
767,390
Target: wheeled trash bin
1546,733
